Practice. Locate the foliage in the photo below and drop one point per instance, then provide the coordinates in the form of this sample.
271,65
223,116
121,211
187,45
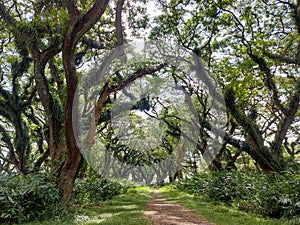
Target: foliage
273,195
123,209
277,196
218,186
94,190
34,77
216,213
33,197
252,50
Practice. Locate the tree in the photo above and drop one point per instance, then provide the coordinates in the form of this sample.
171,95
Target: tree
15,100
253,50
53,37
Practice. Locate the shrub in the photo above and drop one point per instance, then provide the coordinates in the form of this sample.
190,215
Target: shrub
95,190
27,198
278,196
218,186
226,187
274,195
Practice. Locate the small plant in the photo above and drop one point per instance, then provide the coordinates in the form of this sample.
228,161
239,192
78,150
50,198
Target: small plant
28,198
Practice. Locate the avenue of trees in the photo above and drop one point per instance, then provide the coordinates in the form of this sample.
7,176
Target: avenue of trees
250,48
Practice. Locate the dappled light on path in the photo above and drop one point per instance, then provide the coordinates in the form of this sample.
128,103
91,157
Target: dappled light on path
161,212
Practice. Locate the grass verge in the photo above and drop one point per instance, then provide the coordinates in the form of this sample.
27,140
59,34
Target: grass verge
123,209
217,213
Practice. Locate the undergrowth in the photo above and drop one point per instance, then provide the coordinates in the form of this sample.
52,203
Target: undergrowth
272,195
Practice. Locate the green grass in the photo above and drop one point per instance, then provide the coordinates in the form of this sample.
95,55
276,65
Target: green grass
123,209
217,213
126,209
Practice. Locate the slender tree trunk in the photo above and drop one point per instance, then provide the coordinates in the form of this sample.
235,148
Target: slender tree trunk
73,157
76,29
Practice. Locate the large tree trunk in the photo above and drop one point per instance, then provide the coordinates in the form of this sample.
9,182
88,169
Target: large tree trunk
76,29
254,140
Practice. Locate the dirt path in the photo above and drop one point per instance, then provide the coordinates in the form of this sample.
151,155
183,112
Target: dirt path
162,212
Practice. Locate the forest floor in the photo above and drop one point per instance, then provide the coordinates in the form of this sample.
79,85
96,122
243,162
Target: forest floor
161,212
166,206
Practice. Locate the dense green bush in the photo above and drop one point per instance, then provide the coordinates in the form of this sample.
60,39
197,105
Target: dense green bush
26,198
95,190
274,195
278,196
218,186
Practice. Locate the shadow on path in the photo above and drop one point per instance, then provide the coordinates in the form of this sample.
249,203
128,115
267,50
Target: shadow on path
161,212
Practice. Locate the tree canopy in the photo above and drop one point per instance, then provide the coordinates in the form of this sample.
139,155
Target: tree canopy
250,49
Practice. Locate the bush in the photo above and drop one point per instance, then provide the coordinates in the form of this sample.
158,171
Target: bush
278,196
95,190
218,186
27,198
274,195
227,187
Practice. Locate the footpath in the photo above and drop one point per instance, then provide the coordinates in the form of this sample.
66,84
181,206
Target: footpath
161,212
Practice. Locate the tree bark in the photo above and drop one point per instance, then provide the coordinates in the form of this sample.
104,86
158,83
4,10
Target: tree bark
76,29
255,145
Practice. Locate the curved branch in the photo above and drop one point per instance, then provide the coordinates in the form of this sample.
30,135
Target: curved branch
286,123
7,140
106,91
118,23
89,19
281,58
269,81
257,149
